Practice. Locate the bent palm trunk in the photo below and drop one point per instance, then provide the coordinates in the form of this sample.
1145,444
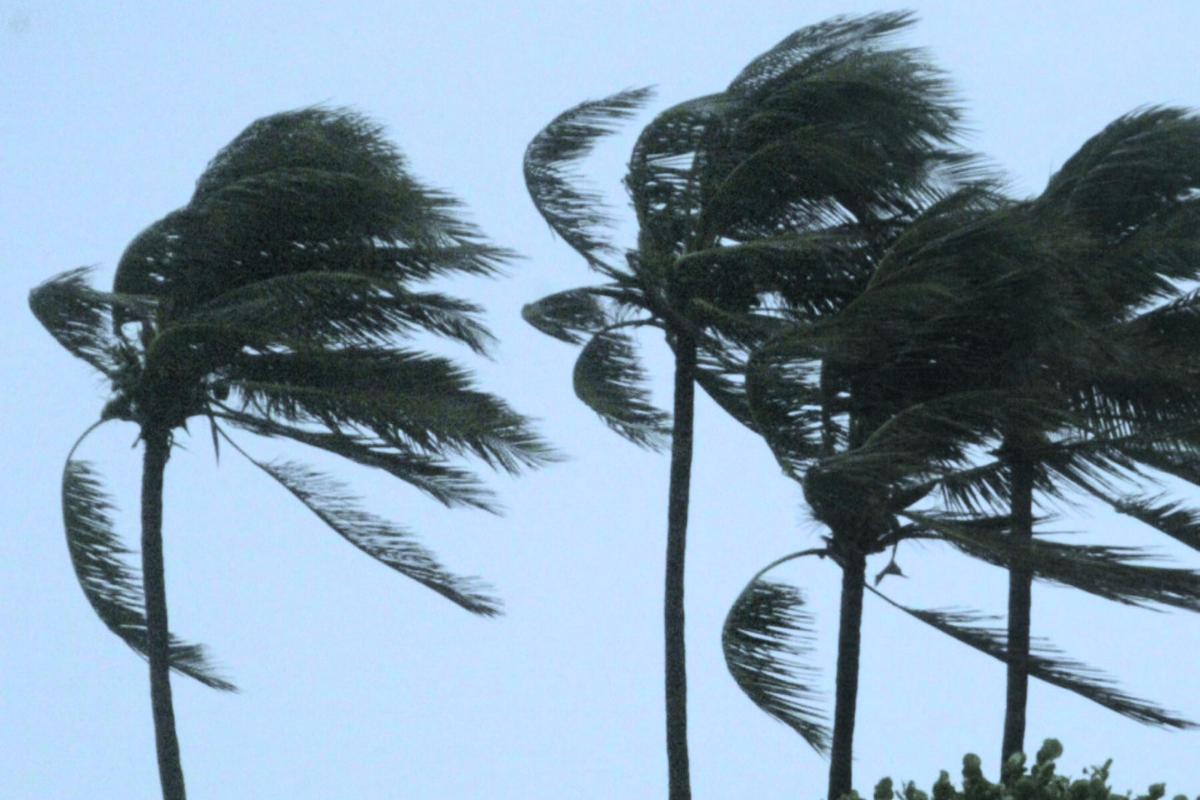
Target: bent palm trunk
673,616
841,754
170,769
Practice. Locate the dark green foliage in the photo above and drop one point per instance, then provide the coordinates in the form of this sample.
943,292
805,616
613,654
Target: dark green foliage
317,189
996,355
1038,783
761,204
272,302
113,588
764,649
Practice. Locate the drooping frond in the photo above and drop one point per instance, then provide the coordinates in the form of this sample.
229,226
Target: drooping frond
1120,574
1046,663
1171,517
378,538
112,586
766,638
574,211
80,317
435,476
571,316
410,401
610,380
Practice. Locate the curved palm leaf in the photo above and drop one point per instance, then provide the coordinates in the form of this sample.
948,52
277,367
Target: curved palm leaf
573,211
1114,573
80,318
570,316
283,282
1044,662
111,585
766,638
378,538
610,379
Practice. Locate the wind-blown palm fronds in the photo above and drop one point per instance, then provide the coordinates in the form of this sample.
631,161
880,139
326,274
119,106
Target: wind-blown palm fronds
778,193
111,586
1001,351
272,302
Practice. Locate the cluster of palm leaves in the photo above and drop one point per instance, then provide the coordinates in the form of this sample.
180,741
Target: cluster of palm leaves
927,356
271,303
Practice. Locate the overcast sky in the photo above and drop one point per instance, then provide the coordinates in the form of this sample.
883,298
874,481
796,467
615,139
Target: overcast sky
359,683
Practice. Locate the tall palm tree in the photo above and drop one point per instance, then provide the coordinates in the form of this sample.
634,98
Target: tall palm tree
746,199
269,303
1131,196
1014,327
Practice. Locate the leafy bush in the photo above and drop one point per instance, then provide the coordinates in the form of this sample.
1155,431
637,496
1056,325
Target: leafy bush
1039,784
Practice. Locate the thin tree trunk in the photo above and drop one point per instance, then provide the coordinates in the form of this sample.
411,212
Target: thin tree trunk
170,770
677,519
854,579
1020,604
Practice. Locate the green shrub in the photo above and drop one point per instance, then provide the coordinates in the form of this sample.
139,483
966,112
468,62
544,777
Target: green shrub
1039,784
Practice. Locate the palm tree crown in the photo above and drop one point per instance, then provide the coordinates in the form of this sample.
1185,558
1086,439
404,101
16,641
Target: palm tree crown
270,303
1000,350
777,192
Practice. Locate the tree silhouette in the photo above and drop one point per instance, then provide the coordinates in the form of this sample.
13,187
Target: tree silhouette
270,303
775,193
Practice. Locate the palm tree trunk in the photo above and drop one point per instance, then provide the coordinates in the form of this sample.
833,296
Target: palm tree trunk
1020,603
854,580
170,770
679,781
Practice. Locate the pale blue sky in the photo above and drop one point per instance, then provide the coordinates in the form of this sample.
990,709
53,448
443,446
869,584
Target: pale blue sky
359,683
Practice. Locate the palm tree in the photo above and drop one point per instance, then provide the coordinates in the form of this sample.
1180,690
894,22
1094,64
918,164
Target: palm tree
269,303
1011,326
1130,193
747,199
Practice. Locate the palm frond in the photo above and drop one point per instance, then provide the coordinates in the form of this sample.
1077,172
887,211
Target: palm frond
1126,174
767,636
571,316
81,318
823,42
1119,574
435,476
409,400
815,272
339,308
722,377
1173,518
309,190
786,401
336,140
574,211
1046,663
831,126
610,380
377,537
1166,457
111,585
663,177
